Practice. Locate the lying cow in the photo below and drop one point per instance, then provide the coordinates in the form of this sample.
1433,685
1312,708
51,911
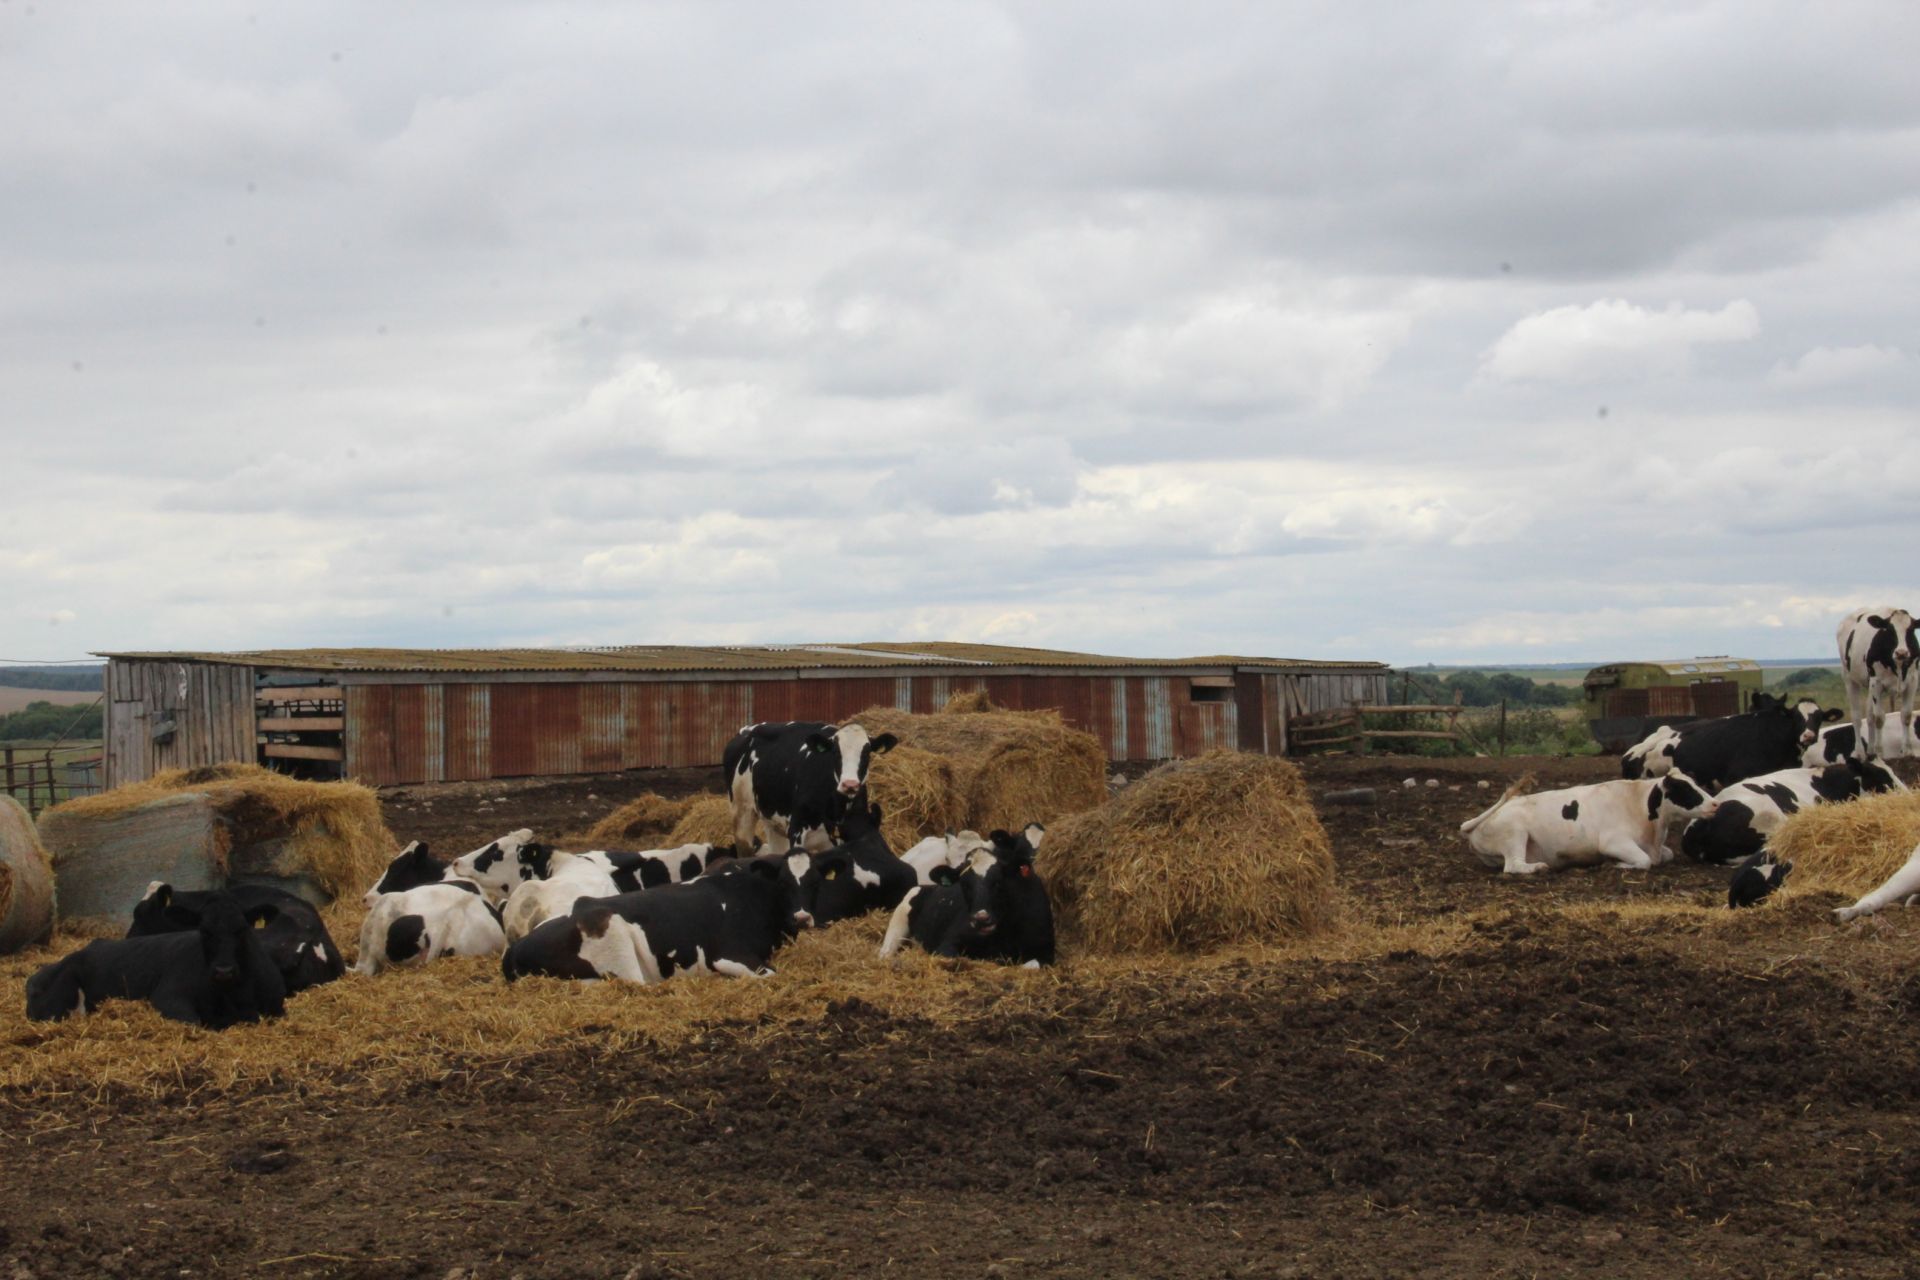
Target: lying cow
414,868
501,865
1624,820
216,975
727,922
1719,753
295,937
878,879
1756,879
564,878
651,868
1838,742
796,780
1652,756
996,909
451,916
1746,813
1880,661
950,852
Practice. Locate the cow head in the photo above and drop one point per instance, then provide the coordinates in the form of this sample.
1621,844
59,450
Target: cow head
856,750
996,876
1812,718
226,939
156,913
1764,703
1900,623
505,863
413,867
1680,797
802,877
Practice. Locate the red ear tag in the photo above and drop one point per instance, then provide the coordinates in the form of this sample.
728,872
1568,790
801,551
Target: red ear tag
1026,871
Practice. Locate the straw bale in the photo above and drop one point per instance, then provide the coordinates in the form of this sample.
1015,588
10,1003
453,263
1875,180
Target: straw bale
708,820
1199,854
26,880
639,821
1849,848
969,703
1011,767
918,793
330,832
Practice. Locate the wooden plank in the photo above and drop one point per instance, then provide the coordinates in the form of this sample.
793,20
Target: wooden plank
302,693
292,751
1409,733
1211,682
301,724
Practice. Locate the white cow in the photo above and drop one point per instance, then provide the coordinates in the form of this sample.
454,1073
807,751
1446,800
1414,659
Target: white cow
950,851
1836,742
1877,652
1901,886
425,923
1624,820
569,877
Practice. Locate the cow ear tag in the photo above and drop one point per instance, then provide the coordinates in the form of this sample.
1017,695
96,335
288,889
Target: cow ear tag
831,875
1026,871
259,924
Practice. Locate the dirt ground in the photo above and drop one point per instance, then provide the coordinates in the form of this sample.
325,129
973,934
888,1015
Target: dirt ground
1591,1085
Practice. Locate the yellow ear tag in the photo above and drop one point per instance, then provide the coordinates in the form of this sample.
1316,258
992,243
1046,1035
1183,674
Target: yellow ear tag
259,924
831,875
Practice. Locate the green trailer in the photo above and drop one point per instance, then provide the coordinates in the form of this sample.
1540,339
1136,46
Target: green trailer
1626,701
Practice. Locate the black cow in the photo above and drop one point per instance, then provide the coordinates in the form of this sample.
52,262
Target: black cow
878,879
728,921
996,909
1770,737
295,937
797,779
1757,877
216,976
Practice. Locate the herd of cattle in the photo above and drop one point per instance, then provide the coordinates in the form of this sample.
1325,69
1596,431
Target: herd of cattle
808,851
222,957
1733,780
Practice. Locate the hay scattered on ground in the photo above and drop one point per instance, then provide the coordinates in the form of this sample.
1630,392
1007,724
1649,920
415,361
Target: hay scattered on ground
918,793
26,880
708,820
1849,848
1199,854
637,822
1010,767
335,828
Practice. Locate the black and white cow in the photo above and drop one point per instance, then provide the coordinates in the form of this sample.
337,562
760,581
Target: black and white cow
995,909
1652,756
796,779
1747,812
651,868
1719,753
1902,886
563,879
878,879
729,921
1757,877
1624,820
415,867
1838,742
1878,652
421,908
217,975
296,939
500,866
950,852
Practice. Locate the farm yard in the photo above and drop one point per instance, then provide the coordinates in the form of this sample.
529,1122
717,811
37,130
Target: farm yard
1590,1072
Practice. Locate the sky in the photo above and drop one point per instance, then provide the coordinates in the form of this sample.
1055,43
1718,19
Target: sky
1432,332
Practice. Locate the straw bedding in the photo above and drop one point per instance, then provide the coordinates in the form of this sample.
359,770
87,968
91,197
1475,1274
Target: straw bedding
638,822
1849,848
1198,854
708,820
1010,767
335,828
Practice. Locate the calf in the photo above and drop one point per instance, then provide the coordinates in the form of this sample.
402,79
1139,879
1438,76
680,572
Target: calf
414,868
295,937
565,877
425,923
878,879
1878,649
1652,756
502,865
1581,826
1757,877
996,909
728,922
1838,742
651,868
949,852
797,779
1719,753
1746,813
216,975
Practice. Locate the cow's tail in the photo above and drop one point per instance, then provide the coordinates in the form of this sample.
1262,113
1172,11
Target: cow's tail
1524,782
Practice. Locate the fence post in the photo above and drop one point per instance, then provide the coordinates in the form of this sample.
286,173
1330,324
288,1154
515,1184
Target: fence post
1359,732
9,757
1503,727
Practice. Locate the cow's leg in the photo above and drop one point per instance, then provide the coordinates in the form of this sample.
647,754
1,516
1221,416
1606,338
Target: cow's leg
1628,854
1909,691
1901,883
1513,857
734,969
1855,696
897,926
816,839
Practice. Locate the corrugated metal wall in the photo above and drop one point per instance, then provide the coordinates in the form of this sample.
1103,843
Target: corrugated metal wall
210,706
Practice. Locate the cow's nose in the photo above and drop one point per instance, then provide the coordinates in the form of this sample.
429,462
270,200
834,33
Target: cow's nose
848,788
223,973
803,919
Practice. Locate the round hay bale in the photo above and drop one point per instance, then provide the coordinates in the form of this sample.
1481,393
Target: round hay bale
639,821
1198,854
708,820
1849,848
917,793
1010,767
26,881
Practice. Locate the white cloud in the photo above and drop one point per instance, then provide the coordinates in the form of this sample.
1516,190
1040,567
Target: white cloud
1825,366
1613,339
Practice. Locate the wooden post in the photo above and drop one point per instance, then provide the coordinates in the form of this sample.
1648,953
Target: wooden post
1360,737
9,756
1503,728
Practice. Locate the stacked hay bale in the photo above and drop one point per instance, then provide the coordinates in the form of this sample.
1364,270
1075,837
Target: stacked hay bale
1202,853
1009,767
638,822
26,880
708,820
1849,848
918,793
194,827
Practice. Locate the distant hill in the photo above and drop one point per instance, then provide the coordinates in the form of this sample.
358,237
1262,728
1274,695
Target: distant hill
82,678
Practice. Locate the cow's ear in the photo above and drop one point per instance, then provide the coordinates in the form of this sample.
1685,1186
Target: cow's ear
944,874
1001,839
160,893
1831,714
1875,620
885,742
766,870
262,914
1034,833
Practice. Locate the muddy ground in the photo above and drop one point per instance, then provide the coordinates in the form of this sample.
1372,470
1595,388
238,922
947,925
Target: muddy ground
1588,1087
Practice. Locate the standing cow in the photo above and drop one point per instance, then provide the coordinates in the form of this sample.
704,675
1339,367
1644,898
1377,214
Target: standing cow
1877,650
796,778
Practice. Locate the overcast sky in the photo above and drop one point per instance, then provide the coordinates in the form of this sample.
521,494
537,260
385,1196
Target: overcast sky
1434,332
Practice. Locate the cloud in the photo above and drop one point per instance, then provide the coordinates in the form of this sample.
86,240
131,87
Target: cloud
1825,366
1612,339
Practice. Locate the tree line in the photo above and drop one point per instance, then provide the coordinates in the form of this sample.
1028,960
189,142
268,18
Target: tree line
1479,689
44,721
87,678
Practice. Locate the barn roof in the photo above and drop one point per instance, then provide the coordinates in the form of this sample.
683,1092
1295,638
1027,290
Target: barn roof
725,658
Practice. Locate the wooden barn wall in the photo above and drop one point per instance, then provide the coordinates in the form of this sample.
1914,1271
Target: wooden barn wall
399,733
211,707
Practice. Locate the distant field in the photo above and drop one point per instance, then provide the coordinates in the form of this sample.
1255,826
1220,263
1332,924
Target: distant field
12,699
1539,675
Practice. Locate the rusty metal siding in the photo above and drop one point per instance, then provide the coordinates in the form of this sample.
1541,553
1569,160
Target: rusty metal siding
468,715
602,728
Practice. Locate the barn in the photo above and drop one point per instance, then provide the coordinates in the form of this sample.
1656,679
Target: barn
385,716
